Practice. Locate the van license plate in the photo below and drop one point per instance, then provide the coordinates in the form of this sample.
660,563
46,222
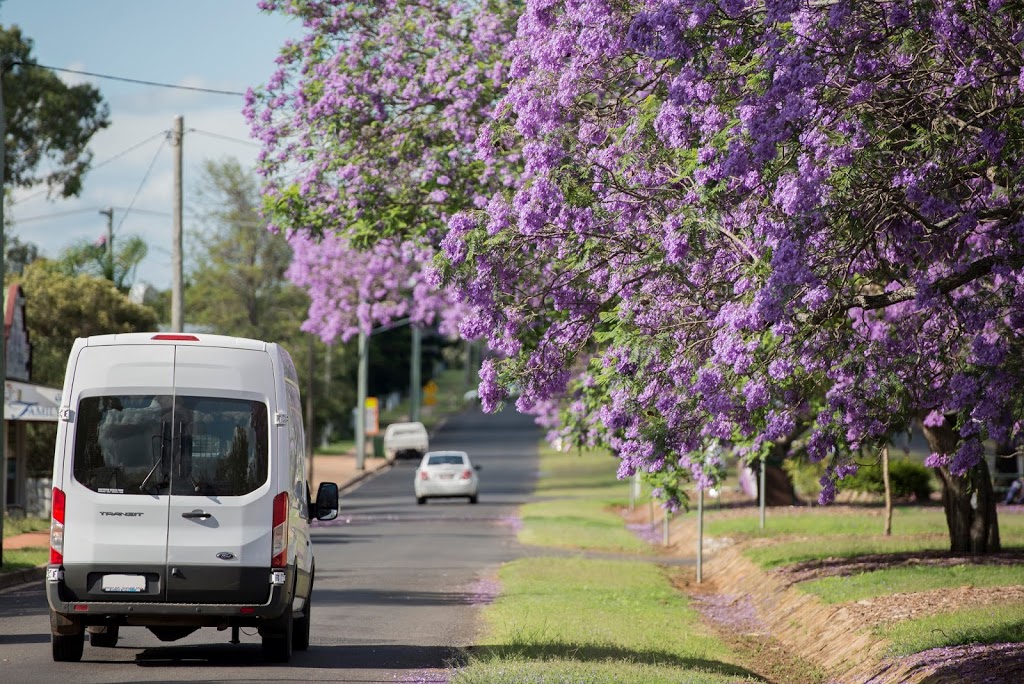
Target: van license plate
124,583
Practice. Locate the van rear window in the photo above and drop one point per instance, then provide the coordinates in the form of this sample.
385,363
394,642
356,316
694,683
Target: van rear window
159,444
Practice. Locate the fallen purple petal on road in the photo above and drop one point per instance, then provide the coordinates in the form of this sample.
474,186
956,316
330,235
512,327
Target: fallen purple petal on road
425,677
513,522
484,592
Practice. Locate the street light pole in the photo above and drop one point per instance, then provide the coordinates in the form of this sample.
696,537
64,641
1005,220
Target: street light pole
415,375
4,64
361,401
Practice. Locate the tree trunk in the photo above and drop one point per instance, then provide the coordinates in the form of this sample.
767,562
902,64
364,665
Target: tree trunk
969,501
888,490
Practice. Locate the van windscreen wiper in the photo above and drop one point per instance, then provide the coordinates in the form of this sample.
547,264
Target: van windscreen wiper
159,461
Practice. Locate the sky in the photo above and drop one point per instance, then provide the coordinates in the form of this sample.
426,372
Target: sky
215,44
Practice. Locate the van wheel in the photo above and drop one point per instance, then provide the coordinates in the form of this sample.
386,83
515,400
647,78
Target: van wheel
67,648
277,641
104,637
300,637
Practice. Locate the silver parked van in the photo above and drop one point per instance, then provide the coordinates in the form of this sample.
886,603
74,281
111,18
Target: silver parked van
180,493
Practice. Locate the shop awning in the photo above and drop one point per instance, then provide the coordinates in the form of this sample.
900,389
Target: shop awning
25,401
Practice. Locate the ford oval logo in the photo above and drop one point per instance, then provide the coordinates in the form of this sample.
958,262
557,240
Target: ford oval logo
226,555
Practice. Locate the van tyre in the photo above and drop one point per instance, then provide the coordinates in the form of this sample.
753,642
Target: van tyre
300,637
67,648
278,637
104,637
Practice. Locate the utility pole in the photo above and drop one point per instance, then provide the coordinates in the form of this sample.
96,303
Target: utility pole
109,213
309,414
361,381
4,65
415,375
177,286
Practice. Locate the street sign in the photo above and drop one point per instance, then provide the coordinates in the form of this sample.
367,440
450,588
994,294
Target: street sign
372,416
430,393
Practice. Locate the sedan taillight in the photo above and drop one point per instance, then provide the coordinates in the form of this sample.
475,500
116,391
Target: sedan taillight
423,475
466,474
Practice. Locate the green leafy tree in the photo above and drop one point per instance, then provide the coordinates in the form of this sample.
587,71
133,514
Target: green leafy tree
91,258
49,123
59,308
237,286
237,281
18,254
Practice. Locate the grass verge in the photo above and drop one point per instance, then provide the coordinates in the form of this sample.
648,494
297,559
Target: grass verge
972,626
16,526
910,579
595,621
22,559
578,491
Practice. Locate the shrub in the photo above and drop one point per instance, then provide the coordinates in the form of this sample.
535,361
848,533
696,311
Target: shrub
908,479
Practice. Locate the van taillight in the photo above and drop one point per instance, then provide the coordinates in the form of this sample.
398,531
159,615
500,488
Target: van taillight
279,543
57,528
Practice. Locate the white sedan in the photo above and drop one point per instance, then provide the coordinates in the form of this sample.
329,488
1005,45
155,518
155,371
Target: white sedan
446,474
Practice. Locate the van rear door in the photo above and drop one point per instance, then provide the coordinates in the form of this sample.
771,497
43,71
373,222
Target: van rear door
220,512
115,473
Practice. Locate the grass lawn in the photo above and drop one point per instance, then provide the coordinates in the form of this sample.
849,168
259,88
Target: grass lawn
809,548
577,492
592,621
911,579
595,621
846,532
578,497
21,559
16,526
970,626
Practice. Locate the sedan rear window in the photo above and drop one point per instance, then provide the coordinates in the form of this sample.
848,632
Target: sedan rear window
446,459
184,445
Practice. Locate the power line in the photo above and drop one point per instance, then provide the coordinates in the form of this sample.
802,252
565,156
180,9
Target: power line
224,137
134,147
58,214
146,211
97,166
124,215
71,212
133,80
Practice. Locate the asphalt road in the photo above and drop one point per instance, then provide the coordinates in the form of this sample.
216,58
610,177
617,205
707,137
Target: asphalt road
398,585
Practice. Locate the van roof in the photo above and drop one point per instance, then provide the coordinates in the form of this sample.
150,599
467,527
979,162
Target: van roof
161,338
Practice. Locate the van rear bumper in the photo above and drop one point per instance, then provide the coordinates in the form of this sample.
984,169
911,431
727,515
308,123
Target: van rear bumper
61,600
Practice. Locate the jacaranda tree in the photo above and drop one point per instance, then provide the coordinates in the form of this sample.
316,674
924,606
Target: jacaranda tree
369,131
760,220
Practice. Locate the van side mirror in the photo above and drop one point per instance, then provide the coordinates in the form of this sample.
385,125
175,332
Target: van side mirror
326,506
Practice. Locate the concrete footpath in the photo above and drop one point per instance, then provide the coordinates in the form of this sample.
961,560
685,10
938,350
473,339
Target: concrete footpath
340,468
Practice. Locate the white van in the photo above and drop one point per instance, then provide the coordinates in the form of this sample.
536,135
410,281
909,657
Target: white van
180,494
405,439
